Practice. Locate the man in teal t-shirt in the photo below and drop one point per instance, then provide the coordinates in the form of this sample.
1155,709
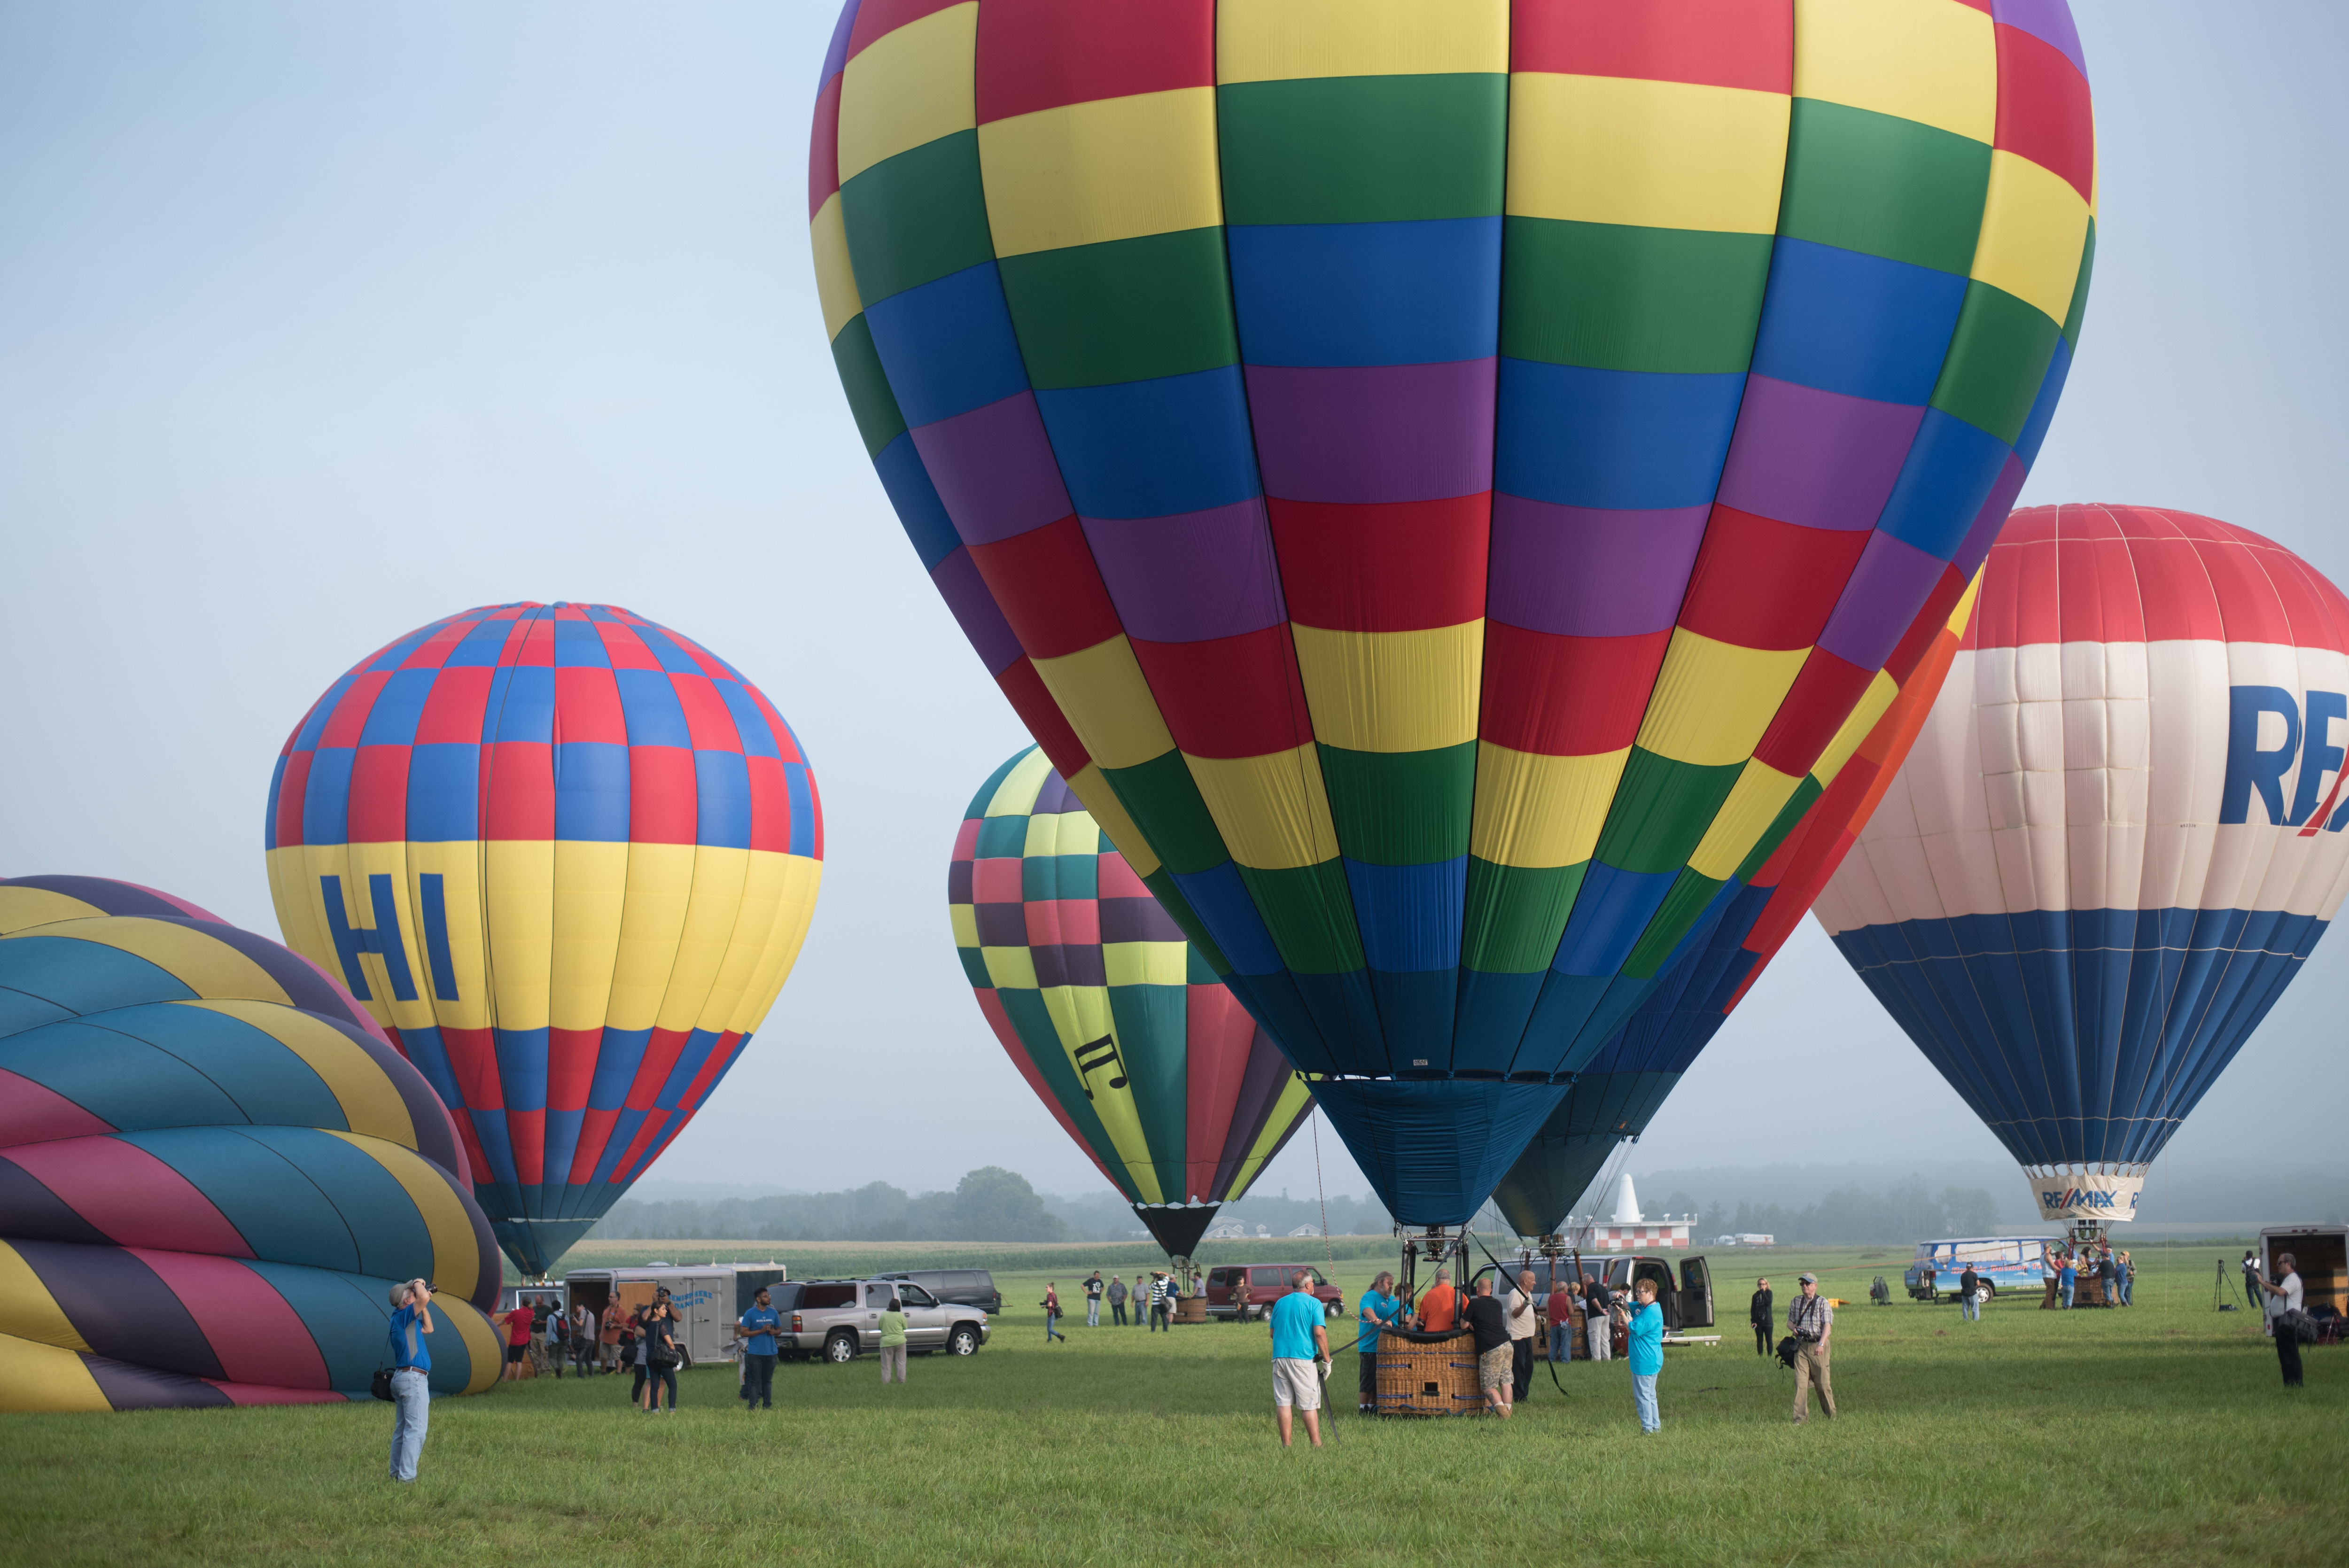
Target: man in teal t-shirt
1301,1343
1646,1355
1378,1308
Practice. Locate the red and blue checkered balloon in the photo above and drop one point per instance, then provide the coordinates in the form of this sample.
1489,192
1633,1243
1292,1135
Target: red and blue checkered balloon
567,857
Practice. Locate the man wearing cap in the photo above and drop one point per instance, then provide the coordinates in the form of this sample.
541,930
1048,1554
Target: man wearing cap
1811,1321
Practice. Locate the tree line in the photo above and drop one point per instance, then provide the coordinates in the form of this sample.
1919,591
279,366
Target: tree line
1854,1216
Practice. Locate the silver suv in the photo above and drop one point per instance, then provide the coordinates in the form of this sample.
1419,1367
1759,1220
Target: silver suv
839,1319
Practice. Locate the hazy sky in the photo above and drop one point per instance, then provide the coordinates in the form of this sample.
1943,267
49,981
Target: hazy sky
319,322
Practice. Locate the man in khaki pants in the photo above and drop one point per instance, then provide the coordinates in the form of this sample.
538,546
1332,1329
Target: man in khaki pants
1811,1321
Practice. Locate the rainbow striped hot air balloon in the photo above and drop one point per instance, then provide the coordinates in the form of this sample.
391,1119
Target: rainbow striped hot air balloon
1615,1097
1140,1053
566,857
1435,478
212,1169
2118,837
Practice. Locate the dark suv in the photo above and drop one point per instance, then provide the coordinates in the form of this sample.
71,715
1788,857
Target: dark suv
964,1288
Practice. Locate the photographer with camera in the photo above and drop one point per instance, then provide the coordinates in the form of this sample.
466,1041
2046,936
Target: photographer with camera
411,1367
2284,1307
1811,1321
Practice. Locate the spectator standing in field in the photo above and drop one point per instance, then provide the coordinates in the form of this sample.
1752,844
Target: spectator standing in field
2127,1279
1647,1352
1053,1314
558,1339
1763,1315
893,1341
1093,1290
1375,1311
1521,1339
658,1347
1162,1302
2285,1296
1488,1320
632,1353
411,1368
540,1351
2067,1279
1439,1308
2105,1276
1968,1296
1561,1319
1243,1297
518,1327
1116,1301
608,1326
2251,1281
1811,1321
585,1331
1300,1349
758,1328
1597,1302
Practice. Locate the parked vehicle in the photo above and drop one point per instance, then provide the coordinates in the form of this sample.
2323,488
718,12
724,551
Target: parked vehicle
961,1287
709,1298
1268,1282
2320,1255
2003,1263
1687,1304
840,1319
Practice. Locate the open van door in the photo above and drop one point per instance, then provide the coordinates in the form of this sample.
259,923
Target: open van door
1696,1294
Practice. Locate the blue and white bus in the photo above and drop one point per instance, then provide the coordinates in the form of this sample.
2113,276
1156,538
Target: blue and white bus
2003,1263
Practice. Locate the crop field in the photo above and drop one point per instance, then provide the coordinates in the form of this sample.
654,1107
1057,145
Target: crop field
2152,1435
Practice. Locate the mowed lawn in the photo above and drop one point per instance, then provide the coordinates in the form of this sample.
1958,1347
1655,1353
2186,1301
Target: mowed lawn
2158,1434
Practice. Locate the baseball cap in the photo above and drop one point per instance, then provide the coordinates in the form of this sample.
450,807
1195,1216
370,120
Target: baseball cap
1810,1279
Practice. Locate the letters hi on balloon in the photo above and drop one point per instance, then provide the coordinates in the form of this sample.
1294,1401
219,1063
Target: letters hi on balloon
1433,480
2115,840
567,858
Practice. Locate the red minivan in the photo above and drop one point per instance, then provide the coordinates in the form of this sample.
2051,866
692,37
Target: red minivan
1268,1282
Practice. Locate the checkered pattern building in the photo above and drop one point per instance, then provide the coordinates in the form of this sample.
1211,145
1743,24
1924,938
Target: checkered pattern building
567,857
1436,477
1142,1055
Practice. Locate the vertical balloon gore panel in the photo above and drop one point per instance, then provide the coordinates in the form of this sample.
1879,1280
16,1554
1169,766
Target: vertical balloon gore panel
1436,485
567,857
214,1170
2118,837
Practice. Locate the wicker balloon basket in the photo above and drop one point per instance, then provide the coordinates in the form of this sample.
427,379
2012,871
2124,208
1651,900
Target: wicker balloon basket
1428,1377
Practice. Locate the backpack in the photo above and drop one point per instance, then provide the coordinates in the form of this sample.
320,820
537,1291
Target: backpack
2302,1326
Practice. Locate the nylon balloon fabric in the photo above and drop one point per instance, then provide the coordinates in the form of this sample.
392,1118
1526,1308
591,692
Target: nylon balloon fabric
213,1167
1617,1096
566,857
2119,835
1434,480
1140,1053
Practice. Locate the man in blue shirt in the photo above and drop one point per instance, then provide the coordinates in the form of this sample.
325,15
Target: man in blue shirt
1647,1353
758,1326
1378,1308
411,1367
1300,1347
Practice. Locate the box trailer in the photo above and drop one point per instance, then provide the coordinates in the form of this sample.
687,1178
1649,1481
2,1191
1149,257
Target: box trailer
2320,1255
709,1298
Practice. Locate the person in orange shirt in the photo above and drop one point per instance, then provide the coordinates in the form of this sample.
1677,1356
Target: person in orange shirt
1439,1309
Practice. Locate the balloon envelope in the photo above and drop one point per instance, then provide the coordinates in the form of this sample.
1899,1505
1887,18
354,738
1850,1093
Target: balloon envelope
1129,1040
1620,1091
566,857
212,1169
2118,837
1434,483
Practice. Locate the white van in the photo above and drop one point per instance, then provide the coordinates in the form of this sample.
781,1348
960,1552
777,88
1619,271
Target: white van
709,1298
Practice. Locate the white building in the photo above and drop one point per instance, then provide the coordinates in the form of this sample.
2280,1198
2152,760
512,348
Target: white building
1628,1231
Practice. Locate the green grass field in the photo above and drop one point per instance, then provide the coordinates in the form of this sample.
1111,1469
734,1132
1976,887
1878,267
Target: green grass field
2158,1434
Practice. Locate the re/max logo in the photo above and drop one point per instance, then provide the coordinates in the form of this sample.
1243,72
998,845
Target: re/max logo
2252,770
2081,1198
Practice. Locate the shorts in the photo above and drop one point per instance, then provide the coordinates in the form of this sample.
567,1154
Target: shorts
517,1352
1296,1382
1496,1368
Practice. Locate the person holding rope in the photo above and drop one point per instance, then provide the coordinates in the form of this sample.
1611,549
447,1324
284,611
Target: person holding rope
1521,1339
1301,1350
1376,1310
1489,1321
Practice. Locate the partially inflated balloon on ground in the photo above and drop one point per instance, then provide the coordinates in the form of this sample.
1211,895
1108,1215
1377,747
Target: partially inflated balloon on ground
2116,840
213,1168
1137,1049
1434,479
566,857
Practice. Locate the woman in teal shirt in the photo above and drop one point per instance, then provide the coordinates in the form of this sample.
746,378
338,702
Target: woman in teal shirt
1377,1309
1646,1355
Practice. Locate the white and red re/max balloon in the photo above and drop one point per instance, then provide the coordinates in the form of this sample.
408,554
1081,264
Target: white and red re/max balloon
2118,837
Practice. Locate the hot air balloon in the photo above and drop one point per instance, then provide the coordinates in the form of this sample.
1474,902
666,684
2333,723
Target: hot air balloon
1434,480
213,1167
1123,1031
1615,1097
2116,840
566,858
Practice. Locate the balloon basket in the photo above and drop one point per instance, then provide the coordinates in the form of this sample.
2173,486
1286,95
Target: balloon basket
1428,1376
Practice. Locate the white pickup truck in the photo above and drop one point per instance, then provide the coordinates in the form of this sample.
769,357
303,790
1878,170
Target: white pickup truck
840,1319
